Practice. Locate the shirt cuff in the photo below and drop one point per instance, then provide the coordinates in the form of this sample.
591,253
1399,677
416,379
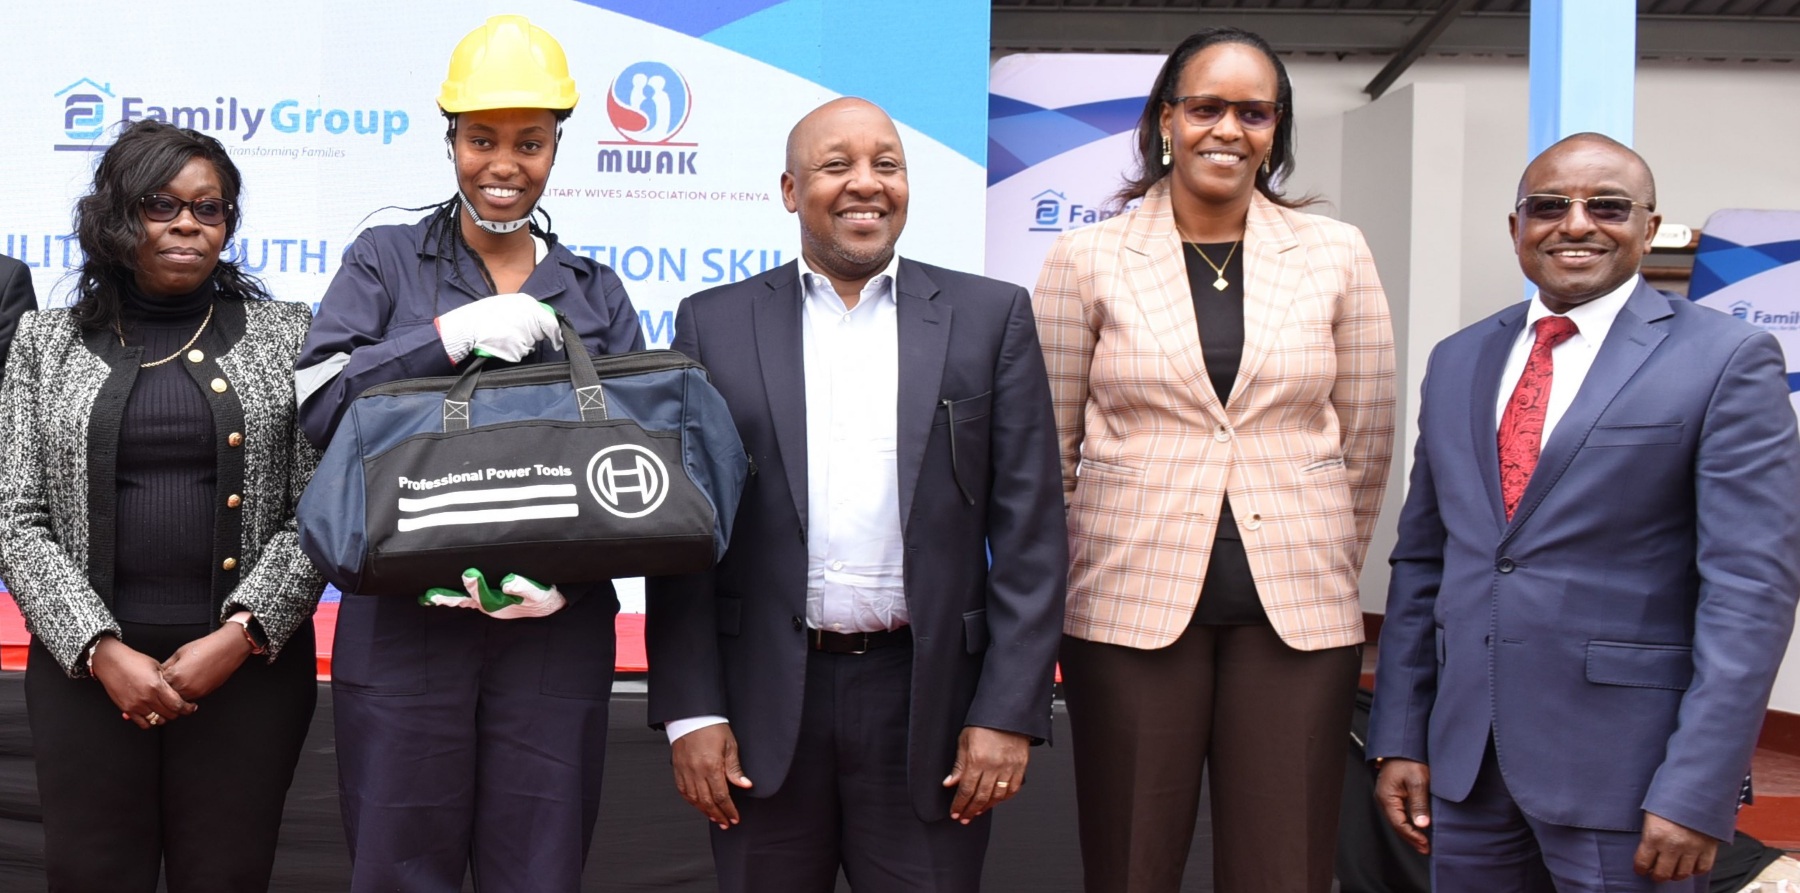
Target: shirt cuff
679,727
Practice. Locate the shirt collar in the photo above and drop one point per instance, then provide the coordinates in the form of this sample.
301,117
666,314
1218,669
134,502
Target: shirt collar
881,286
1592,319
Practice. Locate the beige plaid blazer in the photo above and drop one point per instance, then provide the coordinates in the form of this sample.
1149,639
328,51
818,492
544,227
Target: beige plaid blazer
1148,451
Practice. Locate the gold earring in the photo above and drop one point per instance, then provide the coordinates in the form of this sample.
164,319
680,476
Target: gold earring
1165,150
1266,163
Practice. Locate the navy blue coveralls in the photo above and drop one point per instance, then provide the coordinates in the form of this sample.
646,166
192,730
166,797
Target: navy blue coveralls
463,742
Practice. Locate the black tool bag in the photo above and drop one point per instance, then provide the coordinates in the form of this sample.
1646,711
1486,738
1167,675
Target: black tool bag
618,466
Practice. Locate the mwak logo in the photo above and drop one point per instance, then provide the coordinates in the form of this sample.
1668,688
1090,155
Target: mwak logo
648,104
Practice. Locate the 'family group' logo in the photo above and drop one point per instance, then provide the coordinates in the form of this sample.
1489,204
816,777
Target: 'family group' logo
1052,212
648,104
90,108
84,112
627,470
1782,321
1046,214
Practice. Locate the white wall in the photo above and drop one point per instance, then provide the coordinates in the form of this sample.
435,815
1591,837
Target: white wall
1717,136
1406,153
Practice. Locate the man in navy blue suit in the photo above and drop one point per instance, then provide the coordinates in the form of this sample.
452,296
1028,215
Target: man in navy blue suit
1597,566
856,685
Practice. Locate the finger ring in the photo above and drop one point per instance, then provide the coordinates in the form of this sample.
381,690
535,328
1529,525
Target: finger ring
1001,784
153,718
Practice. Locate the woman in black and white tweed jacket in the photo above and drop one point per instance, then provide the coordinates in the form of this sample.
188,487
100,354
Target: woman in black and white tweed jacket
149,468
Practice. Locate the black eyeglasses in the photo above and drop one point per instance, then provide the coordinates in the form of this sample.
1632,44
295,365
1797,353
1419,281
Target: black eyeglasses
1252,114
1601,208
164,208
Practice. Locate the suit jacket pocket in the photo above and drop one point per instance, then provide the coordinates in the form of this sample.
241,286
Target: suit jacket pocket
1091,466
1640,665
964,410
1635,435
975,631
731,614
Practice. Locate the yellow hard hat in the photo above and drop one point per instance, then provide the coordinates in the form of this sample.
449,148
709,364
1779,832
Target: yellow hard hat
508,63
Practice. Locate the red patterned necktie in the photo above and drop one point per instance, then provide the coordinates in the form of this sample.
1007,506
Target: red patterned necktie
1522,424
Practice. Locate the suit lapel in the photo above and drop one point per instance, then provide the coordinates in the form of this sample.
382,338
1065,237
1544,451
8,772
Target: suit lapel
1272,271
924,333
780,350
1156,275
1484,429
1633,337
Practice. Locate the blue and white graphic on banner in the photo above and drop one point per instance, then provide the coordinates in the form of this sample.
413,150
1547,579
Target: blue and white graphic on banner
669,170
1748,265
1060,131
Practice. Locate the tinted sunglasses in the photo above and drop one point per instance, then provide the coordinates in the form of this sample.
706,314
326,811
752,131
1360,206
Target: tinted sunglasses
164,208
1600,208
1252,114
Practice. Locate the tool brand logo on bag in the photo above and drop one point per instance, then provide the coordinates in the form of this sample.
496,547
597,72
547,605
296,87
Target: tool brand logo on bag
485,503
627,480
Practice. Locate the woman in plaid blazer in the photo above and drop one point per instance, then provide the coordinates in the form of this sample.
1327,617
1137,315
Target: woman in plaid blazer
1222,370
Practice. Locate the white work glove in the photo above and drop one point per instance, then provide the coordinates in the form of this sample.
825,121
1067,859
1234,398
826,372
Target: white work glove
517,597
506,326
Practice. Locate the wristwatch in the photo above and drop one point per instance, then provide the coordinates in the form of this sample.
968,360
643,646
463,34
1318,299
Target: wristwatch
242,619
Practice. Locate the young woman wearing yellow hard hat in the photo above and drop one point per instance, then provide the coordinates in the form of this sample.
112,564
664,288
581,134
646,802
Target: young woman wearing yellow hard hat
470,740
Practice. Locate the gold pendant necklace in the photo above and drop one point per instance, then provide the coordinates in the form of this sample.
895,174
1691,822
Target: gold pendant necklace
1219,284
183,348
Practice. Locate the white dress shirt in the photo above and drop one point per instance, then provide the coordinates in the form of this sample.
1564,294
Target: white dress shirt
854,548
1570,360
854,551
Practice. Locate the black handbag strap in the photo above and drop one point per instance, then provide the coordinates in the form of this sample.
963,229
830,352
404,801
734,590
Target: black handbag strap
590,399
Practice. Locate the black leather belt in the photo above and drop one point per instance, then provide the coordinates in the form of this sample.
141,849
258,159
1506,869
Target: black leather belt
856,643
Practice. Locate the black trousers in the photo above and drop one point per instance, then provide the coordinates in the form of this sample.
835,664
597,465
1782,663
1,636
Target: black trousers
1268,723
200,797
845,801
469,745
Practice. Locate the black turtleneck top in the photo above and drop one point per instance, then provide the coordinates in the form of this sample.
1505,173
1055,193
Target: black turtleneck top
166,469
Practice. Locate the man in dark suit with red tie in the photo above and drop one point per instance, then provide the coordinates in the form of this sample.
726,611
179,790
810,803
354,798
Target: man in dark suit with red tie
1597,566
856,683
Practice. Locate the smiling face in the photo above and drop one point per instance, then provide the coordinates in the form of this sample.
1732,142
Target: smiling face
503,159
1216,165
175,257
1577,259
846,178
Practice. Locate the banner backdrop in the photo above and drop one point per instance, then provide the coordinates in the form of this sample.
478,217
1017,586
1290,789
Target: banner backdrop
1748,265
1060,128
668,171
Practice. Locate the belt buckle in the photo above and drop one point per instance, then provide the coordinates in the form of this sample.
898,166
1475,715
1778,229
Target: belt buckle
862,639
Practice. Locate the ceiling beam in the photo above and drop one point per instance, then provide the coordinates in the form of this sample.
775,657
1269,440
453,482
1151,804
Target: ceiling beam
1416,46
1140,29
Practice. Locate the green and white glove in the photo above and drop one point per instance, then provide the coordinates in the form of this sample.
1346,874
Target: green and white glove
517,597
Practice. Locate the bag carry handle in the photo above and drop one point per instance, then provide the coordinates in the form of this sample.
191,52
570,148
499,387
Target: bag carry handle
589,398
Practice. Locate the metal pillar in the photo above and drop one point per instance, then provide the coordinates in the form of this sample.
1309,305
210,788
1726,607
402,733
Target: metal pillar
1583,64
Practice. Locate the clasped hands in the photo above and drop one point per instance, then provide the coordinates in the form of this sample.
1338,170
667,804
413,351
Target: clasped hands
517,597
150,693
1666,851
989,769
